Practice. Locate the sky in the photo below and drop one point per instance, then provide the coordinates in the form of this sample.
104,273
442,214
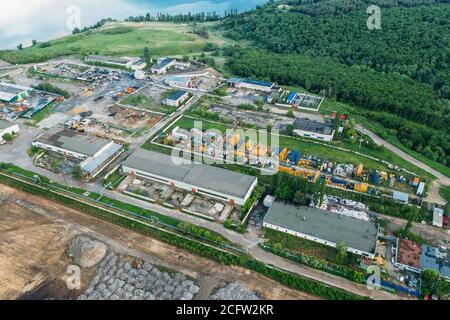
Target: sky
22,21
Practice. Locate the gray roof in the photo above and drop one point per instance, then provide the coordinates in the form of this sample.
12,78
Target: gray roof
325,225
113,60
162,64
435,259
93,163
158,164
5,124
220,180
198,175
313,126
72,141
9,91
177,95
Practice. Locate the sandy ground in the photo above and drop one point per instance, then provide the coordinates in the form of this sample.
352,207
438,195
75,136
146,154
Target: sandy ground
34,235
32,250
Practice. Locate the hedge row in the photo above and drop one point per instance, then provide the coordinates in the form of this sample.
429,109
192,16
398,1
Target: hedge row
289,279
313,262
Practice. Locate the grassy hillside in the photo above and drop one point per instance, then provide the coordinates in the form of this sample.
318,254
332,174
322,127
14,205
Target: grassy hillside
124,38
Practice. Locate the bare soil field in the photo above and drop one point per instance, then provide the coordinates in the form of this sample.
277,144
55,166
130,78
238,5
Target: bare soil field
34,237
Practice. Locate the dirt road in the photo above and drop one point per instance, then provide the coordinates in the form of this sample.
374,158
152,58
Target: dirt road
442,180
34,236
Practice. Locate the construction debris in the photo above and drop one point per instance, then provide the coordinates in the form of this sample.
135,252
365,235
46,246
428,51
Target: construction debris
86,252
119,278
234,291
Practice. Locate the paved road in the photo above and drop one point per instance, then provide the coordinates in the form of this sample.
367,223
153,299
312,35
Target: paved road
442,180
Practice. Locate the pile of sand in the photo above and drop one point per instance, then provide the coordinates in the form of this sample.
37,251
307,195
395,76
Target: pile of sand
86,252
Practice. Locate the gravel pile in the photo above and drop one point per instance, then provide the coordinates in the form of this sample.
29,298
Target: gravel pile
87,252
117,279
234,291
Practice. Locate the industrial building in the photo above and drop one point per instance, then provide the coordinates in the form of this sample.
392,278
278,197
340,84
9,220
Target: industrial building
313,129
438,217
8,128
163,65
124,62
177,98
11,93
209,181
323,227
251,84
94,153
184,82
291,97
401,197
416,258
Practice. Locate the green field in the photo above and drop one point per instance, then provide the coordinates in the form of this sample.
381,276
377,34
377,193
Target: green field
161,38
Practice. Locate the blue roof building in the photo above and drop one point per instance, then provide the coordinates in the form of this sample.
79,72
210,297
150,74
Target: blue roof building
437,259
251,84
292,96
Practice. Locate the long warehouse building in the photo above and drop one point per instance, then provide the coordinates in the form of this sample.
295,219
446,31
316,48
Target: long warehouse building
323,227
94,154
209,181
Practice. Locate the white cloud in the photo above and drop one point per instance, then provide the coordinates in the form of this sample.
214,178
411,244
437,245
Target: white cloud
23,20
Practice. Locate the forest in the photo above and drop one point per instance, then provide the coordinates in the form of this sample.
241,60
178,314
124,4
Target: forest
398,76
413,39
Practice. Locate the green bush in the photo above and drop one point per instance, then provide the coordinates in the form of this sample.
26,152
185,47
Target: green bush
47,87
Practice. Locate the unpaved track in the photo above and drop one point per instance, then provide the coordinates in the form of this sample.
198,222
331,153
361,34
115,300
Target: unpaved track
442,180
134,244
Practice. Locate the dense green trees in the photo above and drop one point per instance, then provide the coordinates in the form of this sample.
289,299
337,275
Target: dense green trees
412,40
433,283
177,18
398,76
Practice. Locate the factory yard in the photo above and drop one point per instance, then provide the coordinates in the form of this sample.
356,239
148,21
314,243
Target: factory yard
150,98
209,209
292,155
62,69
33,269
121,123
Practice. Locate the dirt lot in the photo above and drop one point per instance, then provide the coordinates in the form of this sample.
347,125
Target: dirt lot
34,237
32,251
